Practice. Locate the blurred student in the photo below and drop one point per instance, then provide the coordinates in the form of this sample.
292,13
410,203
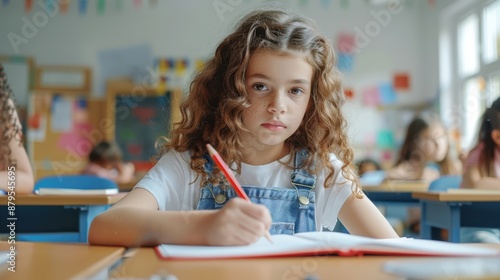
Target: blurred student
16,175
367,165
482,165
482,170
425,153
105,160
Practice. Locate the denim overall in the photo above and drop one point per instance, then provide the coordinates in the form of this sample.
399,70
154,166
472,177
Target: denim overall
292,209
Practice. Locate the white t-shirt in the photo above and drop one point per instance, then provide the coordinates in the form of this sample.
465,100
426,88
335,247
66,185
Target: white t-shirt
170,182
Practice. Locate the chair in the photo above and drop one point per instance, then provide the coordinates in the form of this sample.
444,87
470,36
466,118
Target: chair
446,182
62,223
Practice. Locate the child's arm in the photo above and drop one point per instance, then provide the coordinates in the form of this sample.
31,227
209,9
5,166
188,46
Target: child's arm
125,172
136,221
472,179
361,217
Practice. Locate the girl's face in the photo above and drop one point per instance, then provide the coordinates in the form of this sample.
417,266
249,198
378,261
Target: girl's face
279,90
433,142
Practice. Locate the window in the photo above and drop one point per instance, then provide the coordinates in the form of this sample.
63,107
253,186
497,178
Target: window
470,76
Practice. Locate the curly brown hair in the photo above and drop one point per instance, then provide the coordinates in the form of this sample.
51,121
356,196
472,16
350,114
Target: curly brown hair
9,122
212,111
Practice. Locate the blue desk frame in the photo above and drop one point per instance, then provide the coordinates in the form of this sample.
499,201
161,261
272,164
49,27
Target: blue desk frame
452,215
87,207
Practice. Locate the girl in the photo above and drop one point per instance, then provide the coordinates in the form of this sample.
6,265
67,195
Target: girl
16,175
105,160
424,154
482,170
482,166
270,102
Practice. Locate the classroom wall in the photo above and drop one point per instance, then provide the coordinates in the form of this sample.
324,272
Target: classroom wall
406,42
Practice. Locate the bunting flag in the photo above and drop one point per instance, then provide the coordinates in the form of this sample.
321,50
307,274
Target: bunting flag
82,7
101,7
28,5
137,4
344,4
5,3
63,6
119,5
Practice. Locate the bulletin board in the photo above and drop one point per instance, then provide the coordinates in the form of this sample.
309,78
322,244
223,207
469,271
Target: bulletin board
62,128
139,117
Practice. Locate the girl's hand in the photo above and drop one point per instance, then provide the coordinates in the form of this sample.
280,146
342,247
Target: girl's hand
239,222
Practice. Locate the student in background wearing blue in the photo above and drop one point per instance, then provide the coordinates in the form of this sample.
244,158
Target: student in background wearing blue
105,161
16,175
482,168
270,101
425,153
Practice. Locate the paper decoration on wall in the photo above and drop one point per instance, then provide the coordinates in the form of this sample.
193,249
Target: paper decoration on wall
37,126
80,113
346,43
401,81
101,7
134,149
62,114
144,114
82,7
371,96
28,5
137,4
349,93
76,139
387,155
387,94
63,6
345,62
5,3
385,139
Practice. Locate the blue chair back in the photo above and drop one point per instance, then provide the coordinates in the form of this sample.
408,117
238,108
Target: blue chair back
75,182
446,182
372,178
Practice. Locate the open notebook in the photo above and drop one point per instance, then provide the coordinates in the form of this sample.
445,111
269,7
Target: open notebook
324,243
67,191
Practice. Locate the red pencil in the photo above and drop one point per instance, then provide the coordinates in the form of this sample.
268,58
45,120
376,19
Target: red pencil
230,177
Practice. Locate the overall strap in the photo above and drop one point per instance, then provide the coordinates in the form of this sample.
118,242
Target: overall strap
303,181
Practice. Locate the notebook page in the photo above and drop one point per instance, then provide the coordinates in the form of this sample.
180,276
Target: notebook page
281,244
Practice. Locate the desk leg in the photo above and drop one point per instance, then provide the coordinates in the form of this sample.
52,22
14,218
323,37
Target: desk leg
425,228
87,214
454,230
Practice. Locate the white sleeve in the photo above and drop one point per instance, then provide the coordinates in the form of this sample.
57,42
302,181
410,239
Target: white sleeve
335,196
166,181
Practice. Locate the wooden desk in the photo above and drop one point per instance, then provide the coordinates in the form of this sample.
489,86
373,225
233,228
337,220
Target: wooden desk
145,263
458,208
88,206
395,192
36,260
